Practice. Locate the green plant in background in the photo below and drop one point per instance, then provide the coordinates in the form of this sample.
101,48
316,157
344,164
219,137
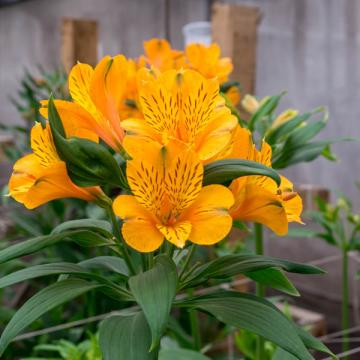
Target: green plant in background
33,89
340,225
88,349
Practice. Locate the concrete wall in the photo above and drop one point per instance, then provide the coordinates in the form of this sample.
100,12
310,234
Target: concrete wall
29,32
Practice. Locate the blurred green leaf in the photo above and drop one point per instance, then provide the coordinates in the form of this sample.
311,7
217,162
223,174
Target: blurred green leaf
42,302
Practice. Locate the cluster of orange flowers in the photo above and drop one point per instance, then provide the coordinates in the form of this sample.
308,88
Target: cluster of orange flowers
166,112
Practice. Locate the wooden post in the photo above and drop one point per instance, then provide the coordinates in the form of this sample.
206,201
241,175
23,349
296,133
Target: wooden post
234,28
79,42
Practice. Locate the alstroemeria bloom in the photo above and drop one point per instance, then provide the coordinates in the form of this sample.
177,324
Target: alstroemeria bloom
180,105
98,98
206,60
169,202
42,176
258,198
160,55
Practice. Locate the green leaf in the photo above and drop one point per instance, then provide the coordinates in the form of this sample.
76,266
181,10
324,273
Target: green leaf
285,129
112,263
181,354
88,238
231,265
281,354
312,342
125,337
265,110
274,278
101,226
292,154
45,300
156,301
328,154
305,133
111,289
302,233
304,153
254,314
30,246
88,163
54,118
309,341
224,87
89,232
224,171
38,271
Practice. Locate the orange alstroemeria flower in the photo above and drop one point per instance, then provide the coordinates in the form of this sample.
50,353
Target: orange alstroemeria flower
258,198
160,55
169,202
42,176
180,105
99,98
207,61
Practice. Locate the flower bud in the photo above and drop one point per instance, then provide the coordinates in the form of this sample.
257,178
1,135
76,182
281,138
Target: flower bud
250,103
284,117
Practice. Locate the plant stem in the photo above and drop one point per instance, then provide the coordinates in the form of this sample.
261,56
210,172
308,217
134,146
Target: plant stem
194,324
260,289
345,300
189,256
170,250
123,247
150,260
144,262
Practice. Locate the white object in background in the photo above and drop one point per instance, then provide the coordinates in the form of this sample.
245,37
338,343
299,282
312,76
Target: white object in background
197,32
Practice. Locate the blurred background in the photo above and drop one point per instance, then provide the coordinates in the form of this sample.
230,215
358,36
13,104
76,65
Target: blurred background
309,48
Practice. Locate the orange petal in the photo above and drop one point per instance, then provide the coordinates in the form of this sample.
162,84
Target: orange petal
42,145
216,137
80,78
183,180
107,89
257,204
139,229
76,121
209,215
293,208
176,234
34,185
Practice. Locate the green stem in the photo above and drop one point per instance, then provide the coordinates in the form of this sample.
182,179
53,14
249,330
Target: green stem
260,289
188,259
170,250
123,247
144,262
345,300
194,324
150,260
